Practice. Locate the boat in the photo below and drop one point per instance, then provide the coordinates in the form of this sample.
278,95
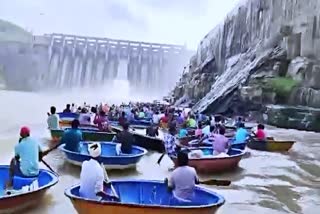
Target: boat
142,140
148,197
270,145
88,133
20,200
67,118
212,164
108,157
185,140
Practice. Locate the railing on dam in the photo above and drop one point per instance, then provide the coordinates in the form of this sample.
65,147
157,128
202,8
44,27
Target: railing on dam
66,39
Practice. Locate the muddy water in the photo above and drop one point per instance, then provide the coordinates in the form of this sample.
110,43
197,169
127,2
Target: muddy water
265,182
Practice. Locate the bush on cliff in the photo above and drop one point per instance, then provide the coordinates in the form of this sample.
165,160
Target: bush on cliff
283,87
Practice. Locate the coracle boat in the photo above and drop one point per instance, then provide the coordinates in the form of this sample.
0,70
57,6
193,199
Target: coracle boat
18,199
208,143
88,133
67,118
142,140
148,197
270,145
108,156
185,140
215,164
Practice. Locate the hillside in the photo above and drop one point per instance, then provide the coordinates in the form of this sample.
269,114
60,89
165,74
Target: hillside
12,32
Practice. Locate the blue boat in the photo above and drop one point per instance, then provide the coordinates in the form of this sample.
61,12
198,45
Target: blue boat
67,118
17,200
108,157
148,197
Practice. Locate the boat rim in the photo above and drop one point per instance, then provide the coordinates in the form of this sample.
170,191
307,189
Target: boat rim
242,153
143,151
86,131
220,202
53,175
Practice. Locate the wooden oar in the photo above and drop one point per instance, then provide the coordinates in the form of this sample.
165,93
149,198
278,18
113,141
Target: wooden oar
110,183
160,159
49,167
216,182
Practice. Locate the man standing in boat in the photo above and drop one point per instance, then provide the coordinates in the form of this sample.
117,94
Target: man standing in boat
53,119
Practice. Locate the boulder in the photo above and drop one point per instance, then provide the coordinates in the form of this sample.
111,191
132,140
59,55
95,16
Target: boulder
301,118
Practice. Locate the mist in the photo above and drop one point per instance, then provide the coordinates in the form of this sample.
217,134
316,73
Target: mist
175,22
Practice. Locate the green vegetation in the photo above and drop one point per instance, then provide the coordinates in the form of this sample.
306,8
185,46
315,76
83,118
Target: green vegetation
283,85
11,32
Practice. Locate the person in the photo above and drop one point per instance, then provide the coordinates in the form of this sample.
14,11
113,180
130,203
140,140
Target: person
183,132
102,121
260,134
72,137
84,117
156,118
206,129
220,143
170,142
191,122
73,108
164,119
183,179
26,160
126,141
152,130
53,119
67,109
238,122
241,134
198,132
92,176
122,119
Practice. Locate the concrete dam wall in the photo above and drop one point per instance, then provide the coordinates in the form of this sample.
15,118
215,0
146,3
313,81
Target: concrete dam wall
64,61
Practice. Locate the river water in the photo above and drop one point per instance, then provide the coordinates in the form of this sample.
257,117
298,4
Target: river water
269,183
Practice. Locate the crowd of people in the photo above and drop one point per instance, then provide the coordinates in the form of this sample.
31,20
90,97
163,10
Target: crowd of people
177,122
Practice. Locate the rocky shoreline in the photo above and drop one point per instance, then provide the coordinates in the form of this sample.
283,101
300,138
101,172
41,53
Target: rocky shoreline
264,54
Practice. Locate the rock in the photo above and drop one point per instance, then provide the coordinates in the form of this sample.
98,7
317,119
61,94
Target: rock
298,68
302,118
258,40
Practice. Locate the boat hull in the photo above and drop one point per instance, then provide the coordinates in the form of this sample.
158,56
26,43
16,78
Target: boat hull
215,164
87,135
25,200
149,143
145,197
20,203
86,207
270,145
110,161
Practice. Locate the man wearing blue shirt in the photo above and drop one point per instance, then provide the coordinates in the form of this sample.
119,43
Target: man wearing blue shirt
26,160
72,137
241,135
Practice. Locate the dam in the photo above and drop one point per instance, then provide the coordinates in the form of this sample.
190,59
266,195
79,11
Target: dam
62,61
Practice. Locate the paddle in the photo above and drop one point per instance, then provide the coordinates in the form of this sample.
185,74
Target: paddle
160,159
49,167
216,182
116,196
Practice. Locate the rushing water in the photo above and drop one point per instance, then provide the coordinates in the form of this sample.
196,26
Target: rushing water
264,183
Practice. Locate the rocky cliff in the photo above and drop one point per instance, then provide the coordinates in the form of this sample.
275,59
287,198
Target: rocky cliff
265,51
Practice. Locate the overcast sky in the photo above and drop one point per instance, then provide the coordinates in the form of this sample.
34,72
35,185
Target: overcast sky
165,21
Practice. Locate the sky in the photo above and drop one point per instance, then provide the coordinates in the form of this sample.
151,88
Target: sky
163,21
